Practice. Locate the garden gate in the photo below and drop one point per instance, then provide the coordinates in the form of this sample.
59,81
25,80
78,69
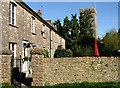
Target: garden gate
16,77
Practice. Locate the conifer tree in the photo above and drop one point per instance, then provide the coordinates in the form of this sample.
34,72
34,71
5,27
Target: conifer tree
86,20
59,27
74,32
66,27
119,30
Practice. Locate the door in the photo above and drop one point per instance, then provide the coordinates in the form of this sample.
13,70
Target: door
25,53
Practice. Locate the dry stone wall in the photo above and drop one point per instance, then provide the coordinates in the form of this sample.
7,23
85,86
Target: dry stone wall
37,70
6,68
77,69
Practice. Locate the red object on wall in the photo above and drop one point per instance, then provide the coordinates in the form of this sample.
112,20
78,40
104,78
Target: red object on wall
96,52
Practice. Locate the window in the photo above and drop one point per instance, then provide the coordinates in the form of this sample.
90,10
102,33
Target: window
12,46
43,30
12,13
51,35
33,25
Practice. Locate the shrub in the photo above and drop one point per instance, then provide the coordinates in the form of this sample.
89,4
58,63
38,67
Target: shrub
37,51
46,54
63,53
40,51
83,51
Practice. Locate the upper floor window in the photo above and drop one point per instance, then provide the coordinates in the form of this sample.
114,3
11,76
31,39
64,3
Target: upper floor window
51,35
43,30
33,25
12,13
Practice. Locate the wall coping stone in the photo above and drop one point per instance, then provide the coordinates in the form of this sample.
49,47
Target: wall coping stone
6,52
37,51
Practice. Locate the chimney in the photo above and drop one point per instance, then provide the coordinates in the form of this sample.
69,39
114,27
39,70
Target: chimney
39,13
49,21
55,27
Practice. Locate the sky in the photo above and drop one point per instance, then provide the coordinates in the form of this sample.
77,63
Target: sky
107,12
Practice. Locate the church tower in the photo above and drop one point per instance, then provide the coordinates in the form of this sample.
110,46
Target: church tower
94,23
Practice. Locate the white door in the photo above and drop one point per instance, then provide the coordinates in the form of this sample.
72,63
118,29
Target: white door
25,53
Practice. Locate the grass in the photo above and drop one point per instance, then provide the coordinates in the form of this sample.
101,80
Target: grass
95,84
85,84
6,85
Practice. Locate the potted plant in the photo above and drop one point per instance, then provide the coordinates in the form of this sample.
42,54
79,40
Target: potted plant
26,58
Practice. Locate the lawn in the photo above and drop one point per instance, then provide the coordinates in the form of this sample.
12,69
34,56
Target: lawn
75,85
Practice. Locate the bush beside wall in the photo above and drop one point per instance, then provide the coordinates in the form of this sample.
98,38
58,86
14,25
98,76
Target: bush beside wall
63,53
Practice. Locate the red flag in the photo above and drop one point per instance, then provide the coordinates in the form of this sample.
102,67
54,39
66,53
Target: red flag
96,53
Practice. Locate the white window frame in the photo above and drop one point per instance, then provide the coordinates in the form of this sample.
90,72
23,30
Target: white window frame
12,17
51,35
33,25
26,50
14,51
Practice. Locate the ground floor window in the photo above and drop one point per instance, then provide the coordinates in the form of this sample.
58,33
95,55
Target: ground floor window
12,46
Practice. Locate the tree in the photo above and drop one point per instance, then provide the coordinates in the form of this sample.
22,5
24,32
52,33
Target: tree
66,32
66,27
86,23
74,27
119,38
110,42
119,30
59,27
74,32
78,38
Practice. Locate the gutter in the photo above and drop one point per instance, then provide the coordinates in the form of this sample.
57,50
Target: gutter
26,7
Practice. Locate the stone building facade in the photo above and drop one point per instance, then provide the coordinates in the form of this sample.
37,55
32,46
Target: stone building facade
94,23
23,29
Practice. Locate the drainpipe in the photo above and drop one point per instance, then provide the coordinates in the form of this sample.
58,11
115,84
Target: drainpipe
50,44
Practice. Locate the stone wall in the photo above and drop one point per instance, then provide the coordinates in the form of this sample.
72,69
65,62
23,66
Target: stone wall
37,70
79,69
22,31
6,68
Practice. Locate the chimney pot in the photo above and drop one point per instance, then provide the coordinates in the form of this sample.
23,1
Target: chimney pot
39,13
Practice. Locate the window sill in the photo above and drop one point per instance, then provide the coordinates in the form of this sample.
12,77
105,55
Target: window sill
13,25
34,33
44,37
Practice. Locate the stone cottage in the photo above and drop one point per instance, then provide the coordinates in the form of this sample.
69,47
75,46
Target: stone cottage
24,29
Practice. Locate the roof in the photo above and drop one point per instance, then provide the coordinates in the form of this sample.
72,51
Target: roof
26,7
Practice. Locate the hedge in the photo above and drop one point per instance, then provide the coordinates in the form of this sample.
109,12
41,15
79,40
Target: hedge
63,53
